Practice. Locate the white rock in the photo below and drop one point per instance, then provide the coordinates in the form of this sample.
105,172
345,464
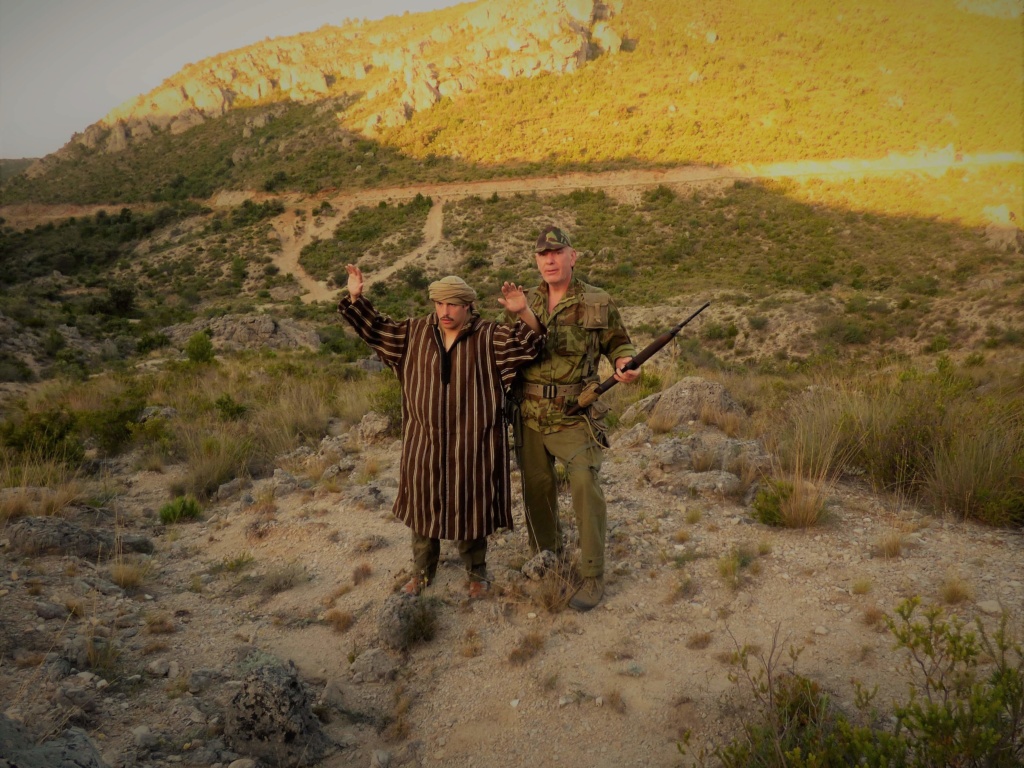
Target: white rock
991,607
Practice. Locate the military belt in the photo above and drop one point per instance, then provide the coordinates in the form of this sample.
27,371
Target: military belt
551,391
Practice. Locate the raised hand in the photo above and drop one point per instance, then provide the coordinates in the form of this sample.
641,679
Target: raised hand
355,281
514,298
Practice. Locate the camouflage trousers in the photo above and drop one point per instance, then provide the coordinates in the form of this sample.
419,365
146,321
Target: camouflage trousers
426,553
582,457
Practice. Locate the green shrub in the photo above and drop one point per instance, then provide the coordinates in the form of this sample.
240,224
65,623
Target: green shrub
111,425
182,508
228,408
757,322
14,369
154,435
199,348
50,435
150,341
335,340
965,706
966,703
768,502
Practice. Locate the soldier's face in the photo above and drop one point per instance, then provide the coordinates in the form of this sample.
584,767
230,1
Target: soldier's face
555,267
451,317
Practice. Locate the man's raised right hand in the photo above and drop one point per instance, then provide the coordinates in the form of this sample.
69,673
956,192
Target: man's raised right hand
355,281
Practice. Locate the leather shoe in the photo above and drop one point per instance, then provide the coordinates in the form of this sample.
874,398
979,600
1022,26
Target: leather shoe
414,586
588,595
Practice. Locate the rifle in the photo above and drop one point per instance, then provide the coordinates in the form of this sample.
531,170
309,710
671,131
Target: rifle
642,357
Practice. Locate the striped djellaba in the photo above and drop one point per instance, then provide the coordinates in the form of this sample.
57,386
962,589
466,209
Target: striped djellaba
454,473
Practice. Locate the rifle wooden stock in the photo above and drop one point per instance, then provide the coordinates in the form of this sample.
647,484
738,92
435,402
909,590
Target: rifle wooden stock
642,357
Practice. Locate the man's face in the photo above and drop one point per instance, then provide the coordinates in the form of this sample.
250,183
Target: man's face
451,317
555,267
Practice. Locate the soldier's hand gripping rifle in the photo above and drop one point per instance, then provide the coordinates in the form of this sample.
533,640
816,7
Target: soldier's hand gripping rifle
590,394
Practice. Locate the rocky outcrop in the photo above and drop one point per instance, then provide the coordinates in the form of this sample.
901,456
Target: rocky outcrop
402,70
247,332
52,535
72,749
685,401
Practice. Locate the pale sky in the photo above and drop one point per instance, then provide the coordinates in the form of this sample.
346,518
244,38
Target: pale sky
65,63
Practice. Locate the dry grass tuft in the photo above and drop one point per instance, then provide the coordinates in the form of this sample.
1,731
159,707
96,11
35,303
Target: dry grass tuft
872,616
284,578
258,530
889,544
471,644
154,646
159,624
955,589
528,647
861,586
729,422
29,659
622,653
615,701
684,589
731,567
660,423
698,641
329,600
681,536
369,471
556,588
694,515
369,543
14,506
703,460
361,573
340,621
129,574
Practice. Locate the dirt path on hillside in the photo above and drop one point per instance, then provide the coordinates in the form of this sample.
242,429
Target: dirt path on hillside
295,232
431,236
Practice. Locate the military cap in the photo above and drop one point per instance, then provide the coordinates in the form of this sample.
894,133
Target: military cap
552,239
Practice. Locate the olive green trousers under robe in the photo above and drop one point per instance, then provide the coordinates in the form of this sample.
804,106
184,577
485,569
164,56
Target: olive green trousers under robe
426,553
582,457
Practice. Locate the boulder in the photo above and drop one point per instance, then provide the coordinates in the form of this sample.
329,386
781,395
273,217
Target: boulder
686,399
71,749
54,536
271,718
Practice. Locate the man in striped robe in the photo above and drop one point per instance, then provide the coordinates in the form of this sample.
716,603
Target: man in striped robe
454,370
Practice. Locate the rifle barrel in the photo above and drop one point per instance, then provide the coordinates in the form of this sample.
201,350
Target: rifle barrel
643,355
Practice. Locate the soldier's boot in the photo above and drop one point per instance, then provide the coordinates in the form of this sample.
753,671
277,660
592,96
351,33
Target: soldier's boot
589,594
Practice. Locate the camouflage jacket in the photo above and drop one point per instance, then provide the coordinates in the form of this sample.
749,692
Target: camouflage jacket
583,326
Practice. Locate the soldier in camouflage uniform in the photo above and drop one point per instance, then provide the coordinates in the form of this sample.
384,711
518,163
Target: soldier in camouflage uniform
582,324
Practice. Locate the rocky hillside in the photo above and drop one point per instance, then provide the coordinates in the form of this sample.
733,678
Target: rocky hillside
397,68
498,88
267,632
